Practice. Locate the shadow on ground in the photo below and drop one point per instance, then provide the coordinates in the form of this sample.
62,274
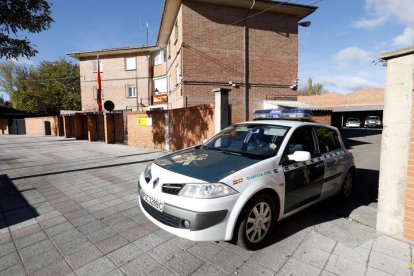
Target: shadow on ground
14,208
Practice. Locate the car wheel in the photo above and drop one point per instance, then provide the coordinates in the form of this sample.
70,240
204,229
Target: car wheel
256,222
347,184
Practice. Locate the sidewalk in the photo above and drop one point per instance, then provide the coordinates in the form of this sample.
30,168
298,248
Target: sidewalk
70,207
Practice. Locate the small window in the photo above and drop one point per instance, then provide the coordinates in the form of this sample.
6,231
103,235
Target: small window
95,93
169,49
130,63
160,57
131,91
95,66
175,32
328,140
177,75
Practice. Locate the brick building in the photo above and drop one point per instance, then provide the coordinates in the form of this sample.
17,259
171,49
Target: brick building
248,46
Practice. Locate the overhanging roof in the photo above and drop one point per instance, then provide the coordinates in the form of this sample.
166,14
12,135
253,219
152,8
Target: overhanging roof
114,51
352,108
295,104
171,8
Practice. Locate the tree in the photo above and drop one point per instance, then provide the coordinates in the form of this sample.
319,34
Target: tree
10,72
31,16
3,102
49,88
312,89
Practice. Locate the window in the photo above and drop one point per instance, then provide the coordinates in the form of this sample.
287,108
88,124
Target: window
175,32
169,49
328,140
95,66
177,75
160,57
130,63
301,140
95,93
160,84
131,91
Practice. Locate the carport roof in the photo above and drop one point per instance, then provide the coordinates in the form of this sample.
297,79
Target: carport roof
358,108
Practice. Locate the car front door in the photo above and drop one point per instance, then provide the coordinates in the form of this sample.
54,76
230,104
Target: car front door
303,180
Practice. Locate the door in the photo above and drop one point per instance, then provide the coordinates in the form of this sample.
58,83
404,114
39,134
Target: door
303,180
330,150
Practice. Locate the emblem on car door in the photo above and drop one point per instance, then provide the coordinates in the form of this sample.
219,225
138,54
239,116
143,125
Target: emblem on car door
155,183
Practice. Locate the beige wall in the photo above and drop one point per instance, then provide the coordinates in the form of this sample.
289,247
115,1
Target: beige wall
37,125
395,205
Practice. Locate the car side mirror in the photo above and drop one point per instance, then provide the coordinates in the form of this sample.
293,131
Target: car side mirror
300,156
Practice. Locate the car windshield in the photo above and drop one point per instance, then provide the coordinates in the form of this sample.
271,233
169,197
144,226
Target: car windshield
256,140
373,118
352,120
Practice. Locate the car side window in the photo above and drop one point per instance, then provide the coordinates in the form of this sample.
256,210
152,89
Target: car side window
328,139
301,140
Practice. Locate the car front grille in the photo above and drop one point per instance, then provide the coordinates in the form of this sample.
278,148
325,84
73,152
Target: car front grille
162,217
173,189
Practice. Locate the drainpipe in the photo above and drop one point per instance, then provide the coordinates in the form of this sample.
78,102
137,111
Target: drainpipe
246,63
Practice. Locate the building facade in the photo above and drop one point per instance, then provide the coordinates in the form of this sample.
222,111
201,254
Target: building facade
249,47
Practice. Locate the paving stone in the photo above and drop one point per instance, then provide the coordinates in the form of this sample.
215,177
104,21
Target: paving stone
83,220
22,232
57,268
389,264
375,272
5,236
253,268
16,270
111,244
270,258
7,248
9,260
205,250
74,246
358,254
124,225
31,239
60,228
135,233
161,271
164,252
140,266
343,266
101,234
67,236
100,266
319,241
53,222
149,242
311,255
91,227
392,247
208,269
36,249
347,232
296,267
228,261
83,257
150,226
116,272
184,263
47,257
182,243
124,254
76,214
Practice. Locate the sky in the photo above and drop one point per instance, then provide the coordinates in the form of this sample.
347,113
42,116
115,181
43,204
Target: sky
338,49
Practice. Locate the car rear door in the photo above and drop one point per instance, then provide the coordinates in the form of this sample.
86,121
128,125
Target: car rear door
303,180
331,152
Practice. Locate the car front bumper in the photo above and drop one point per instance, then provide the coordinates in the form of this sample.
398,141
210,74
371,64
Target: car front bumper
197,225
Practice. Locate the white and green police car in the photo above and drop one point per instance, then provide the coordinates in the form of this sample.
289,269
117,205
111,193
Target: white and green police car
240,183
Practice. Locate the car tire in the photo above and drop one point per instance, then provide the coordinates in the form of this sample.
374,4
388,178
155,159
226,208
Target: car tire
347,185
256,222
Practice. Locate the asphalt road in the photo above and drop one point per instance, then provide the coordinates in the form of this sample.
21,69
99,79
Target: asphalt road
365,145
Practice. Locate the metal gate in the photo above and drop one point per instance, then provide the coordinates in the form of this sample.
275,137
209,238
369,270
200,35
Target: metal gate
17,126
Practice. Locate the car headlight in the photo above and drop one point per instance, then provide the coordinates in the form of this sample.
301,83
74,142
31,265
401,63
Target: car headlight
206,190
147,173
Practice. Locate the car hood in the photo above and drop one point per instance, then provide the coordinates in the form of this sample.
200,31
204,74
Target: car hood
206,165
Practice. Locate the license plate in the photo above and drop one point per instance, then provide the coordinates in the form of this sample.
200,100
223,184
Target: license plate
159,205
